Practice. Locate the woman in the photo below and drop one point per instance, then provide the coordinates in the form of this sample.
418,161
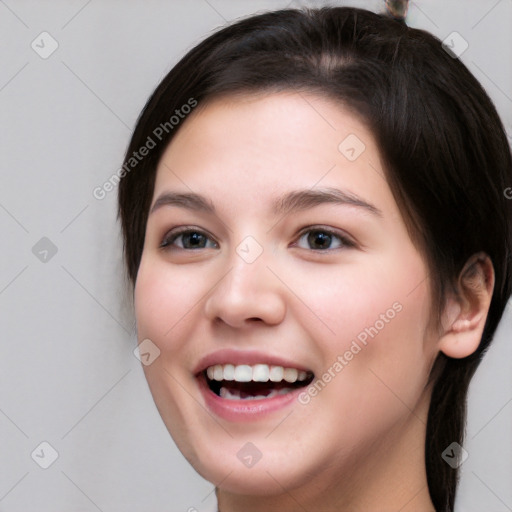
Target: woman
319,243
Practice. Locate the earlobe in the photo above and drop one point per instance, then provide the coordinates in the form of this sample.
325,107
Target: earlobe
466,310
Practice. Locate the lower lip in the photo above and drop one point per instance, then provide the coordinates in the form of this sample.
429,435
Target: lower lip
244,410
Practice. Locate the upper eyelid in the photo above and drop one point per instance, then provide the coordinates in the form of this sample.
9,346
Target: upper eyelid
340,233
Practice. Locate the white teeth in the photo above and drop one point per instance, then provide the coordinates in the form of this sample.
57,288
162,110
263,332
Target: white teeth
256,373
260,373
229,372
225,393
290,374
218,372
276,373
243,373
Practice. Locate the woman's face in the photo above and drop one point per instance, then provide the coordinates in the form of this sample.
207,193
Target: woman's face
274,241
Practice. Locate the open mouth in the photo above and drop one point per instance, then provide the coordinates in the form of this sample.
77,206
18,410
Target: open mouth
254,382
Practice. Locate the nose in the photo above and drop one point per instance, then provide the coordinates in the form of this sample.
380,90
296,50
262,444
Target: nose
248,293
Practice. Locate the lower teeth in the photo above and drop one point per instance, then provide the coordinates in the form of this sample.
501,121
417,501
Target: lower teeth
235,394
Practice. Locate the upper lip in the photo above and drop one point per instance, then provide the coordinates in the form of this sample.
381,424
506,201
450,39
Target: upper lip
249,357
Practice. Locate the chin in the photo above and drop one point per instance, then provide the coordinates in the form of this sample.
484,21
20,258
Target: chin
260,480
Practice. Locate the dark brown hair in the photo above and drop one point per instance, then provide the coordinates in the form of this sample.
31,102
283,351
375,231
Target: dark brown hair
445,150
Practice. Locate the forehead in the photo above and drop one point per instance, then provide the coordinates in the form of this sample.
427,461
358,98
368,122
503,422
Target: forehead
263,145
272,123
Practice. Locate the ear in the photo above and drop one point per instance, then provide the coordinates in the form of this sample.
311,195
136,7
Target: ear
466,310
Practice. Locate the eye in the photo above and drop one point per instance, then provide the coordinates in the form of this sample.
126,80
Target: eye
322,239
187,238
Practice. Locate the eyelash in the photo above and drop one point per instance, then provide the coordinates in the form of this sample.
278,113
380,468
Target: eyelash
172,236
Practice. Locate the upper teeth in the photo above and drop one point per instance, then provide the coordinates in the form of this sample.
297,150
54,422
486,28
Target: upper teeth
256,373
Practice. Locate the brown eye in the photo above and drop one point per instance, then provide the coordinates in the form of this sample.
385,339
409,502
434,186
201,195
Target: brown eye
321,239
188,239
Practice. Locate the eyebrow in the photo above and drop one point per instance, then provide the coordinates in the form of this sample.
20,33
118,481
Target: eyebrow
290,202
190,201
303,199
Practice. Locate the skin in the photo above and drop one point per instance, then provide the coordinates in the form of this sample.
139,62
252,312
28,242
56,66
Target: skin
358,445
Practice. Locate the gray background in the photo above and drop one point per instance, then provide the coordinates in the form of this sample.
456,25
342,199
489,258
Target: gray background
67,372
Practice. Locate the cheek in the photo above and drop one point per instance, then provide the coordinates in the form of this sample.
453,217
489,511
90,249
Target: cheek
353,297
164,305
163,300
377,318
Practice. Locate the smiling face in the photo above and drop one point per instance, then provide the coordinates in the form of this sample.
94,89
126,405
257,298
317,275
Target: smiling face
274,241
